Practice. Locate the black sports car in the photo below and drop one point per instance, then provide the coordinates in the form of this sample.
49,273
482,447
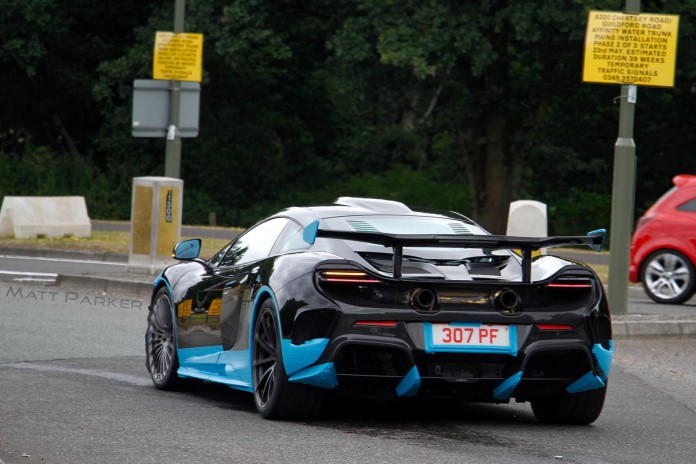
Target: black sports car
378,300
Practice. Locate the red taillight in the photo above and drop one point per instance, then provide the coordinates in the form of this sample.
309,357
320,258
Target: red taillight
555,327
354,277
376,323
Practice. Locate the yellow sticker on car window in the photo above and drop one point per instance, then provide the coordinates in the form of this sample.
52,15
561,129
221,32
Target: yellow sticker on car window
184,309
215,308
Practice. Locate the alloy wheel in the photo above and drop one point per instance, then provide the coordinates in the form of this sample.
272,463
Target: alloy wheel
265,344
668,277
160,339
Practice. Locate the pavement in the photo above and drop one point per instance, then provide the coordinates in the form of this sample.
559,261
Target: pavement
646,319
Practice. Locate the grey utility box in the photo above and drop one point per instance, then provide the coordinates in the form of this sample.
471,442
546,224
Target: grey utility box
151,103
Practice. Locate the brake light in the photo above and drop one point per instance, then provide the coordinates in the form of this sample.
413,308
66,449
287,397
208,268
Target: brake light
344,276
555,327
376,323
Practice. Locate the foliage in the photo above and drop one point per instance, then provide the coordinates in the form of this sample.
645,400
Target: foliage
458,105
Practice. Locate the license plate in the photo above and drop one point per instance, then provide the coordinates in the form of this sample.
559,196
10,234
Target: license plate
472,338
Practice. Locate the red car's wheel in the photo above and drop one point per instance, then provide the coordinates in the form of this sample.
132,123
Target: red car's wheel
668,277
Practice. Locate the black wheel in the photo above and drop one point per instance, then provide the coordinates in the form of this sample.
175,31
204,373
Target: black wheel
574,409
275,396
668,277
160,348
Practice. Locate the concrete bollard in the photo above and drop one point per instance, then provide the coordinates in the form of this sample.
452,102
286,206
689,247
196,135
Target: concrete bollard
527,218
155,222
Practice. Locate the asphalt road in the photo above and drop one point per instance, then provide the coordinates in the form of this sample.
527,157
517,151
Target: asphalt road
75,390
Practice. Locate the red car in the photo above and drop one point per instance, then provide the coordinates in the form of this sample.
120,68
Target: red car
663,247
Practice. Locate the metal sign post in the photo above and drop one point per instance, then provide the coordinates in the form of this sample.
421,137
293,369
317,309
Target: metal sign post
630,49
622,202
172,160
623,195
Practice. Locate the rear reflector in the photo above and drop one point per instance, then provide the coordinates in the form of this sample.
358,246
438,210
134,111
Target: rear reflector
555,327
376,323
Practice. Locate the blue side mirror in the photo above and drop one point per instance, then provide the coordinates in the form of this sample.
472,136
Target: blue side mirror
187,250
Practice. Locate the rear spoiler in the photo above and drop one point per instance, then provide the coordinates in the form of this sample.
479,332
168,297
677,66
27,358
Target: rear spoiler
527,245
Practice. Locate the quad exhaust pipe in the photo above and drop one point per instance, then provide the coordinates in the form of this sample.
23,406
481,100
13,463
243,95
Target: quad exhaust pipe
507,301
423,299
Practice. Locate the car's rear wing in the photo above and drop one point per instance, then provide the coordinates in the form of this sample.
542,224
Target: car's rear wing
526,245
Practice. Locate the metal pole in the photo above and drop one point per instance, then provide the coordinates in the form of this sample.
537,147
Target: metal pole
172,160
623,194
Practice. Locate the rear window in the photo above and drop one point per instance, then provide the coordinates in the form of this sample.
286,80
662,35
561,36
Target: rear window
380,256
404,225
689,206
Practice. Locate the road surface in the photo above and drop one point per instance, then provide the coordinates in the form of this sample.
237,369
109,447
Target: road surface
75,390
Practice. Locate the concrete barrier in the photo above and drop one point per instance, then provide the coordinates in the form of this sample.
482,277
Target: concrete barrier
527,218
28,217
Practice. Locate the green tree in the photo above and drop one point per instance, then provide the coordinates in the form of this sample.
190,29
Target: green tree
481,76
305,101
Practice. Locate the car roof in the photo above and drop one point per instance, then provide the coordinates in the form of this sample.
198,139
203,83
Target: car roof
352,206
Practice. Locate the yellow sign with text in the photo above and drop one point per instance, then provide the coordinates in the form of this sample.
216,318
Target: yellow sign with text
630,49
178,57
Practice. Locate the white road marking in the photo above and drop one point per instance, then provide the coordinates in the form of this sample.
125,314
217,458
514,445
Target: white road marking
30,274
132,379
33,280
64,260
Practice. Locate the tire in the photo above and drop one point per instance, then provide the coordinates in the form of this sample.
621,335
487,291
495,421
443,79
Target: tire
668,277
275,396
160,347
572,409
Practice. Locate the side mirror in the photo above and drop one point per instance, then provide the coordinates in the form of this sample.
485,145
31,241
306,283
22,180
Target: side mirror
187,250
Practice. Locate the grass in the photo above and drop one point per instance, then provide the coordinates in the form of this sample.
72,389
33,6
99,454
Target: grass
99,242
602,271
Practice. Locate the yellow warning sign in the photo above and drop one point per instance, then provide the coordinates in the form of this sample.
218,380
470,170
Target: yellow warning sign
178,57
630,49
